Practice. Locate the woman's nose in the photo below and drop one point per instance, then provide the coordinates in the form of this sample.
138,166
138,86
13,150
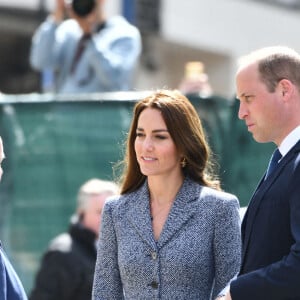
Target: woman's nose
148,144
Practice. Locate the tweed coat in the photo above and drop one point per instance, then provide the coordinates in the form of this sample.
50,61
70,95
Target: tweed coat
196,255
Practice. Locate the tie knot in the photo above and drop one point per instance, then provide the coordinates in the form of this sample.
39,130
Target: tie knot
85,36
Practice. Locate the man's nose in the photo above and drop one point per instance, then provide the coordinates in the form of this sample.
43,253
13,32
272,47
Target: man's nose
242,113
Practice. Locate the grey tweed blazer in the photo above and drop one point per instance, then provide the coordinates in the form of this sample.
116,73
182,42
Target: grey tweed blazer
198,251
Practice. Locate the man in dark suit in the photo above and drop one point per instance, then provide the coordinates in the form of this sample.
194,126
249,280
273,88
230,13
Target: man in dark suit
10,285
268,88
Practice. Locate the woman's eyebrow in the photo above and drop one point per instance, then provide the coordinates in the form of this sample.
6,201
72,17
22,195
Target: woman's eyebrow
155,130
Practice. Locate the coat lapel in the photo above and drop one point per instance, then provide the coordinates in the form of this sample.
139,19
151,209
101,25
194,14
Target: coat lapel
259,193
139,214
182,210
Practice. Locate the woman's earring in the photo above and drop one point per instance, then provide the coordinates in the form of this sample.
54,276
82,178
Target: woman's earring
183,162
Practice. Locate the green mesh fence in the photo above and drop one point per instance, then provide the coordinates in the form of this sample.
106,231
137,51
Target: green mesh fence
54,143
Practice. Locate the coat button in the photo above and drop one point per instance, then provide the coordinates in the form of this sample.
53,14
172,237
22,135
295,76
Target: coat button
154,255
154,284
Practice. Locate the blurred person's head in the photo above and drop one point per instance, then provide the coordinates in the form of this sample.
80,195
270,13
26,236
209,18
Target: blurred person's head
90,201
88,13
2,156
82,8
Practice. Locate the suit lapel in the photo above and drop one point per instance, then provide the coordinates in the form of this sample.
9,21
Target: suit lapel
259,193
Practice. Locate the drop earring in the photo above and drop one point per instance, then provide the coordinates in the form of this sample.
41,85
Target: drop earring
183,163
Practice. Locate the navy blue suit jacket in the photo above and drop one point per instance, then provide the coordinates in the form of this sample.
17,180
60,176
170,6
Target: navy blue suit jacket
271,236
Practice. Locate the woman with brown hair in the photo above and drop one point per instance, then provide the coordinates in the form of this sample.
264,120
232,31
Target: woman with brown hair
171,234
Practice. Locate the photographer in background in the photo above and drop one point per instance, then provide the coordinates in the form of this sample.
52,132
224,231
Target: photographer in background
67,268
87,52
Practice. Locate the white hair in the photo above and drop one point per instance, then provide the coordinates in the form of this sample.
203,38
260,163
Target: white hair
94,187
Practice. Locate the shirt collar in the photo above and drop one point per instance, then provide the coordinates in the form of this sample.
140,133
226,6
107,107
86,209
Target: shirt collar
290,141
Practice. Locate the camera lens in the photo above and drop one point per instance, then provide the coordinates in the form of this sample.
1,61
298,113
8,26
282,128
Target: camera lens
83,7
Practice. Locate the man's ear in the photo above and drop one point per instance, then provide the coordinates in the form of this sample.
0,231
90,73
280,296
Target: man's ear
286,88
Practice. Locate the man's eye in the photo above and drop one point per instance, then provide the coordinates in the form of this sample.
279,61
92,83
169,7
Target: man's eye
248,98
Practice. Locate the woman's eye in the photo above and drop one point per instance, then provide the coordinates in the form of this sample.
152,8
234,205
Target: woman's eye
158,136
161,137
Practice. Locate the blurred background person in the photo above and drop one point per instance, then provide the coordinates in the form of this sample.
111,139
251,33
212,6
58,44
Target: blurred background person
11,287
195,80
87,52
67,267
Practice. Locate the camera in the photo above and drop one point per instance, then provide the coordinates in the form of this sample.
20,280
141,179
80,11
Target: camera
83,7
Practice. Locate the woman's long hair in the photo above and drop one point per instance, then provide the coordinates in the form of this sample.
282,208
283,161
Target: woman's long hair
185,128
